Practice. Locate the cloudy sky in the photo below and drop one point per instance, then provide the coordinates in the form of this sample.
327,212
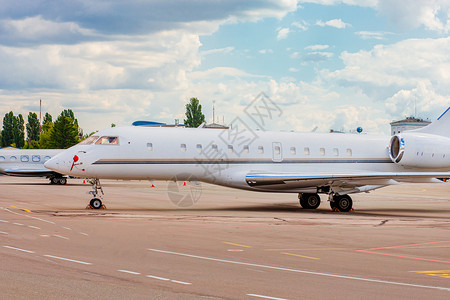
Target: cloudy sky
329,63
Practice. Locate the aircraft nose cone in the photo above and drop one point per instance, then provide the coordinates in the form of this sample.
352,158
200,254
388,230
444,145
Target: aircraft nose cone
52,164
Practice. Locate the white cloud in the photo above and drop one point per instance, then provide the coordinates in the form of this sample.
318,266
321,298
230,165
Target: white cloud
302,25
294,70
317,47
375,35
218,51
265,51
336,23
283,33
294,55
402,64
423,97
433,14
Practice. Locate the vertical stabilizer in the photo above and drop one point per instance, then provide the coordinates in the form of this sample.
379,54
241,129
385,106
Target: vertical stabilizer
439,127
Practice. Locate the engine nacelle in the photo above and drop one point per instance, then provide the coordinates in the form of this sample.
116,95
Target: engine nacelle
422,150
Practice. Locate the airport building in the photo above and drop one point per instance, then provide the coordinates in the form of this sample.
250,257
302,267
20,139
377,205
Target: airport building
409,123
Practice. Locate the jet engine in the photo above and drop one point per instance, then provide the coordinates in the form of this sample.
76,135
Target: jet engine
422,150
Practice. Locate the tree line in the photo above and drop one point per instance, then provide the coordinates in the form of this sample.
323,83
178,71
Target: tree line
61,134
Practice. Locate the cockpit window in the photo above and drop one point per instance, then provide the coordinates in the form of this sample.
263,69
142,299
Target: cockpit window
108,140
89,141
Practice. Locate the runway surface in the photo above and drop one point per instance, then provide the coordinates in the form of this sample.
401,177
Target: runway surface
150,244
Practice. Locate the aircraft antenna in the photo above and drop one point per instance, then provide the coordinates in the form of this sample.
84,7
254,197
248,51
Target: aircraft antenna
40,115
214,118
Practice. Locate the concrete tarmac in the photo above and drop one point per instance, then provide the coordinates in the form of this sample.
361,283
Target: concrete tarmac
203,241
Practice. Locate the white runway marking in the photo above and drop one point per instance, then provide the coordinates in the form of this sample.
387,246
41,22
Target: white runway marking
45,235
305,271
2,232
68,259
3,221
181,282
159,278
265,297
18,224
67,228
84,233
62,237
34,227
29,216
18,249
129,272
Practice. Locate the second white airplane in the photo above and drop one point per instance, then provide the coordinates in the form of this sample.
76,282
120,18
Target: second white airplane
305,163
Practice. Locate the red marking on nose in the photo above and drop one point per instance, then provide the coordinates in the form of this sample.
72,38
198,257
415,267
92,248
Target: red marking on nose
75,158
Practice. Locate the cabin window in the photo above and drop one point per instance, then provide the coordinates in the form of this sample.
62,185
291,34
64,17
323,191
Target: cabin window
47,158
13,158
24,158
89,141
214,148
183,148
199,148
150,146
306,150
108,140
230,148
246,149
335,151
277,150
36,158
349,152
322,151
260,149
293,151
2,158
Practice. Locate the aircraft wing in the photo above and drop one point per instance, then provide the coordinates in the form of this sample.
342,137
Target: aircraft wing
286,181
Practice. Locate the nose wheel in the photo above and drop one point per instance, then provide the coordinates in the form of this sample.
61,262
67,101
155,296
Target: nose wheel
96,201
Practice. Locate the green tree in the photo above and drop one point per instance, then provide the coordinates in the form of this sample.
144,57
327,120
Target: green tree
194,115
47,118
8,129
19,131
65,131
44,138
32,127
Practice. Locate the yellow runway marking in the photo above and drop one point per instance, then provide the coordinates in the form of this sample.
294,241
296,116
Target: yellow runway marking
237,245
24,209
309,257
438,273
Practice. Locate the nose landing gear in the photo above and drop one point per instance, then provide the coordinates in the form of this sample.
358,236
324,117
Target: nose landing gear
96,201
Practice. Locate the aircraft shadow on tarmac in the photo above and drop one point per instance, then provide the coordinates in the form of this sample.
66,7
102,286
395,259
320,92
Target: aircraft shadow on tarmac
292,208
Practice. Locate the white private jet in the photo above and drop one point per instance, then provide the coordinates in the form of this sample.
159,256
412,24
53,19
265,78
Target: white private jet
29,163
289,162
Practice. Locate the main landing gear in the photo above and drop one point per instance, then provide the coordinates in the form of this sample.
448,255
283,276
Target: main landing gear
58,180
342,203
96,201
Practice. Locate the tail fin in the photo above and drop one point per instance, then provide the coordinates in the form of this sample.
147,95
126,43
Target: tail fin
439,127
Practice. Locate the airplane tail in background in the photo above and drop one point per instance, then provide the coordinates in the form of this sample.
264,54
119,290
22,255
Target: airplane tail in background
439,127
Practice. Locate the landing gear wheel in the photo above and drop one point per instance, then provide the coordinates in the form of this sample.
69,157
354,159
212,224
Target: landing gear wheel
96,203
62,181
343,203
54,180
310,201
